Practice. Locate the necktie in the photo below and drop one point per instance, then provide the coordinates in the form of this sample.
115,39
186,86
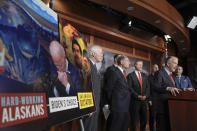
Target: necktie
140,80
179,80
125,76
172,80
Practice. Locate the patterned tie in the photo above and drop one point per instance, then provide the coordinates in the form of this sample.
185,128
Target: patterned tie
140,80
172,80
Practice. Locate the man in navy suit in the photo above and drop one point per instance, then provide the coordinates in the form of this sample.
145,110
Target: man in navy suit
163,84
118,93
182,82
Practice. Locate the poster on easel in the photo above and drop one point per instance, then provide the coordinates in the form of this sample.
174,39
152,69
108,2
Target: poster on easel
28,75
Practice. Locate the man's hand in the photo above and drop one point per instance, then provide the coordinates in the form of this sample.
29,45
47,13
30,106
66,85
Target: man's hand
189,89
173,90
140,97
63,78
150,103
143,98
90,114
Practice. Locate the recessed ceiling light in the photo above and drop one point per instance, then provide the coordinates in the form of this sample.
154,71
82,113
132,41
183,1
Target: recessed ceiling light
130,8
193,22
130,22
158,21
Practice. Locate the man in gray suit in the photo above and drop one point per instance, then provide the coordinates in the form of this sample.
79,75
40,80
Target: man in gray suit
95,56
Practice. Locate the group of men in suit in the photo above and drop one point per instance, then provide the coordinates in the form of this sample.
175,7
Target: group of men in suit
130,96
127,95
165,82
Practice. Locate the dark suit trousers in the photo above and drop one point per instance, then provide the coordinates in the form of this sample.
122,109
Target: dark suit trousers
138,112
162,122
118,121
91,123
152,117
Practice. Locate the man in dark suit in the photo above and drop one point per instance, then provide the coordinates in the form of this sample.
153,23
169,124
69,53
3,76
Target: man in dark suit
62,82
152,113
118,93
140,91
182,82
164,83
95,55
106,76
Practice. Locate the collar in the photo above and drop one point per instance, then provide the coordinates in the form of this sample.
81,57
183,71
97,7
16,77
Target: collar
92,61
137,72
168,72
178,76
120,68
67,67
115,65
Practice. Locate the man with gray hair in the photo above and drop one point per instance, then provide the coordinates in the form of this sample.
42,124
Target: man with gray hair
65,85
95,53
163,84
118,93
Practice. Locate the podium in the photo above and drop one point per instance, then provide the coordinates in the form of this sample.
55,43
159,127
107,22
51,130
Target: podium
183,111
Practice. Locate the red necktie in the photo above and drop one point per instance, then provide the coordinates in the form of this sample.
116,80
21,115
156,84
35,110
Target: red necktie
140,80
172,80
125,76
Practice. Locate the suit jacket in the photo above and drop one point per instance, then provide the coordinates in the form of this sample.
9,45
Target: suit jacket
184,82
151,78
118,92
74,73
107,74
162,81
134,85
96,84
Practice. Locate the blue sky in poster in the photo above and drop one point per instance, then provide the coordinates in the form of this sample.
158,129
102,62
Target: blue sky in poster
41,9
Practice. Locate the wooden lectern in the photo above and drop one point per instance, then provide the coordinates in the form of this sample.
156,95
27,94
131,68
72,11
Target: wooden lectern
183,111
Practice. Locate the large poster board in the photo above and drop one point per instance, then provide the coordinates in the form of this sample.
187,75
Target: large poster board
28,75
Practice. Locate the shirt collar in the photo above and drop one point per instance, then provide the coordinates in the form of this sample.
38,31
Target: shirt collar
115,65
137,71
168,72
67,66
92,61
120,68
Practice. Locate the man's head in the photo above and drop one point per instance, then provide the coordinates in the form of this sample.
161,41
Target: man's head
77,53
138,65
95,53
58,55
123,62
171,63
115,58
179,70
155,68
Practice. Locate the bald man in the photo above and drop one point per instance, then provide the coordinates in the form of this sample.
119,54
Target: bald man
63,86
